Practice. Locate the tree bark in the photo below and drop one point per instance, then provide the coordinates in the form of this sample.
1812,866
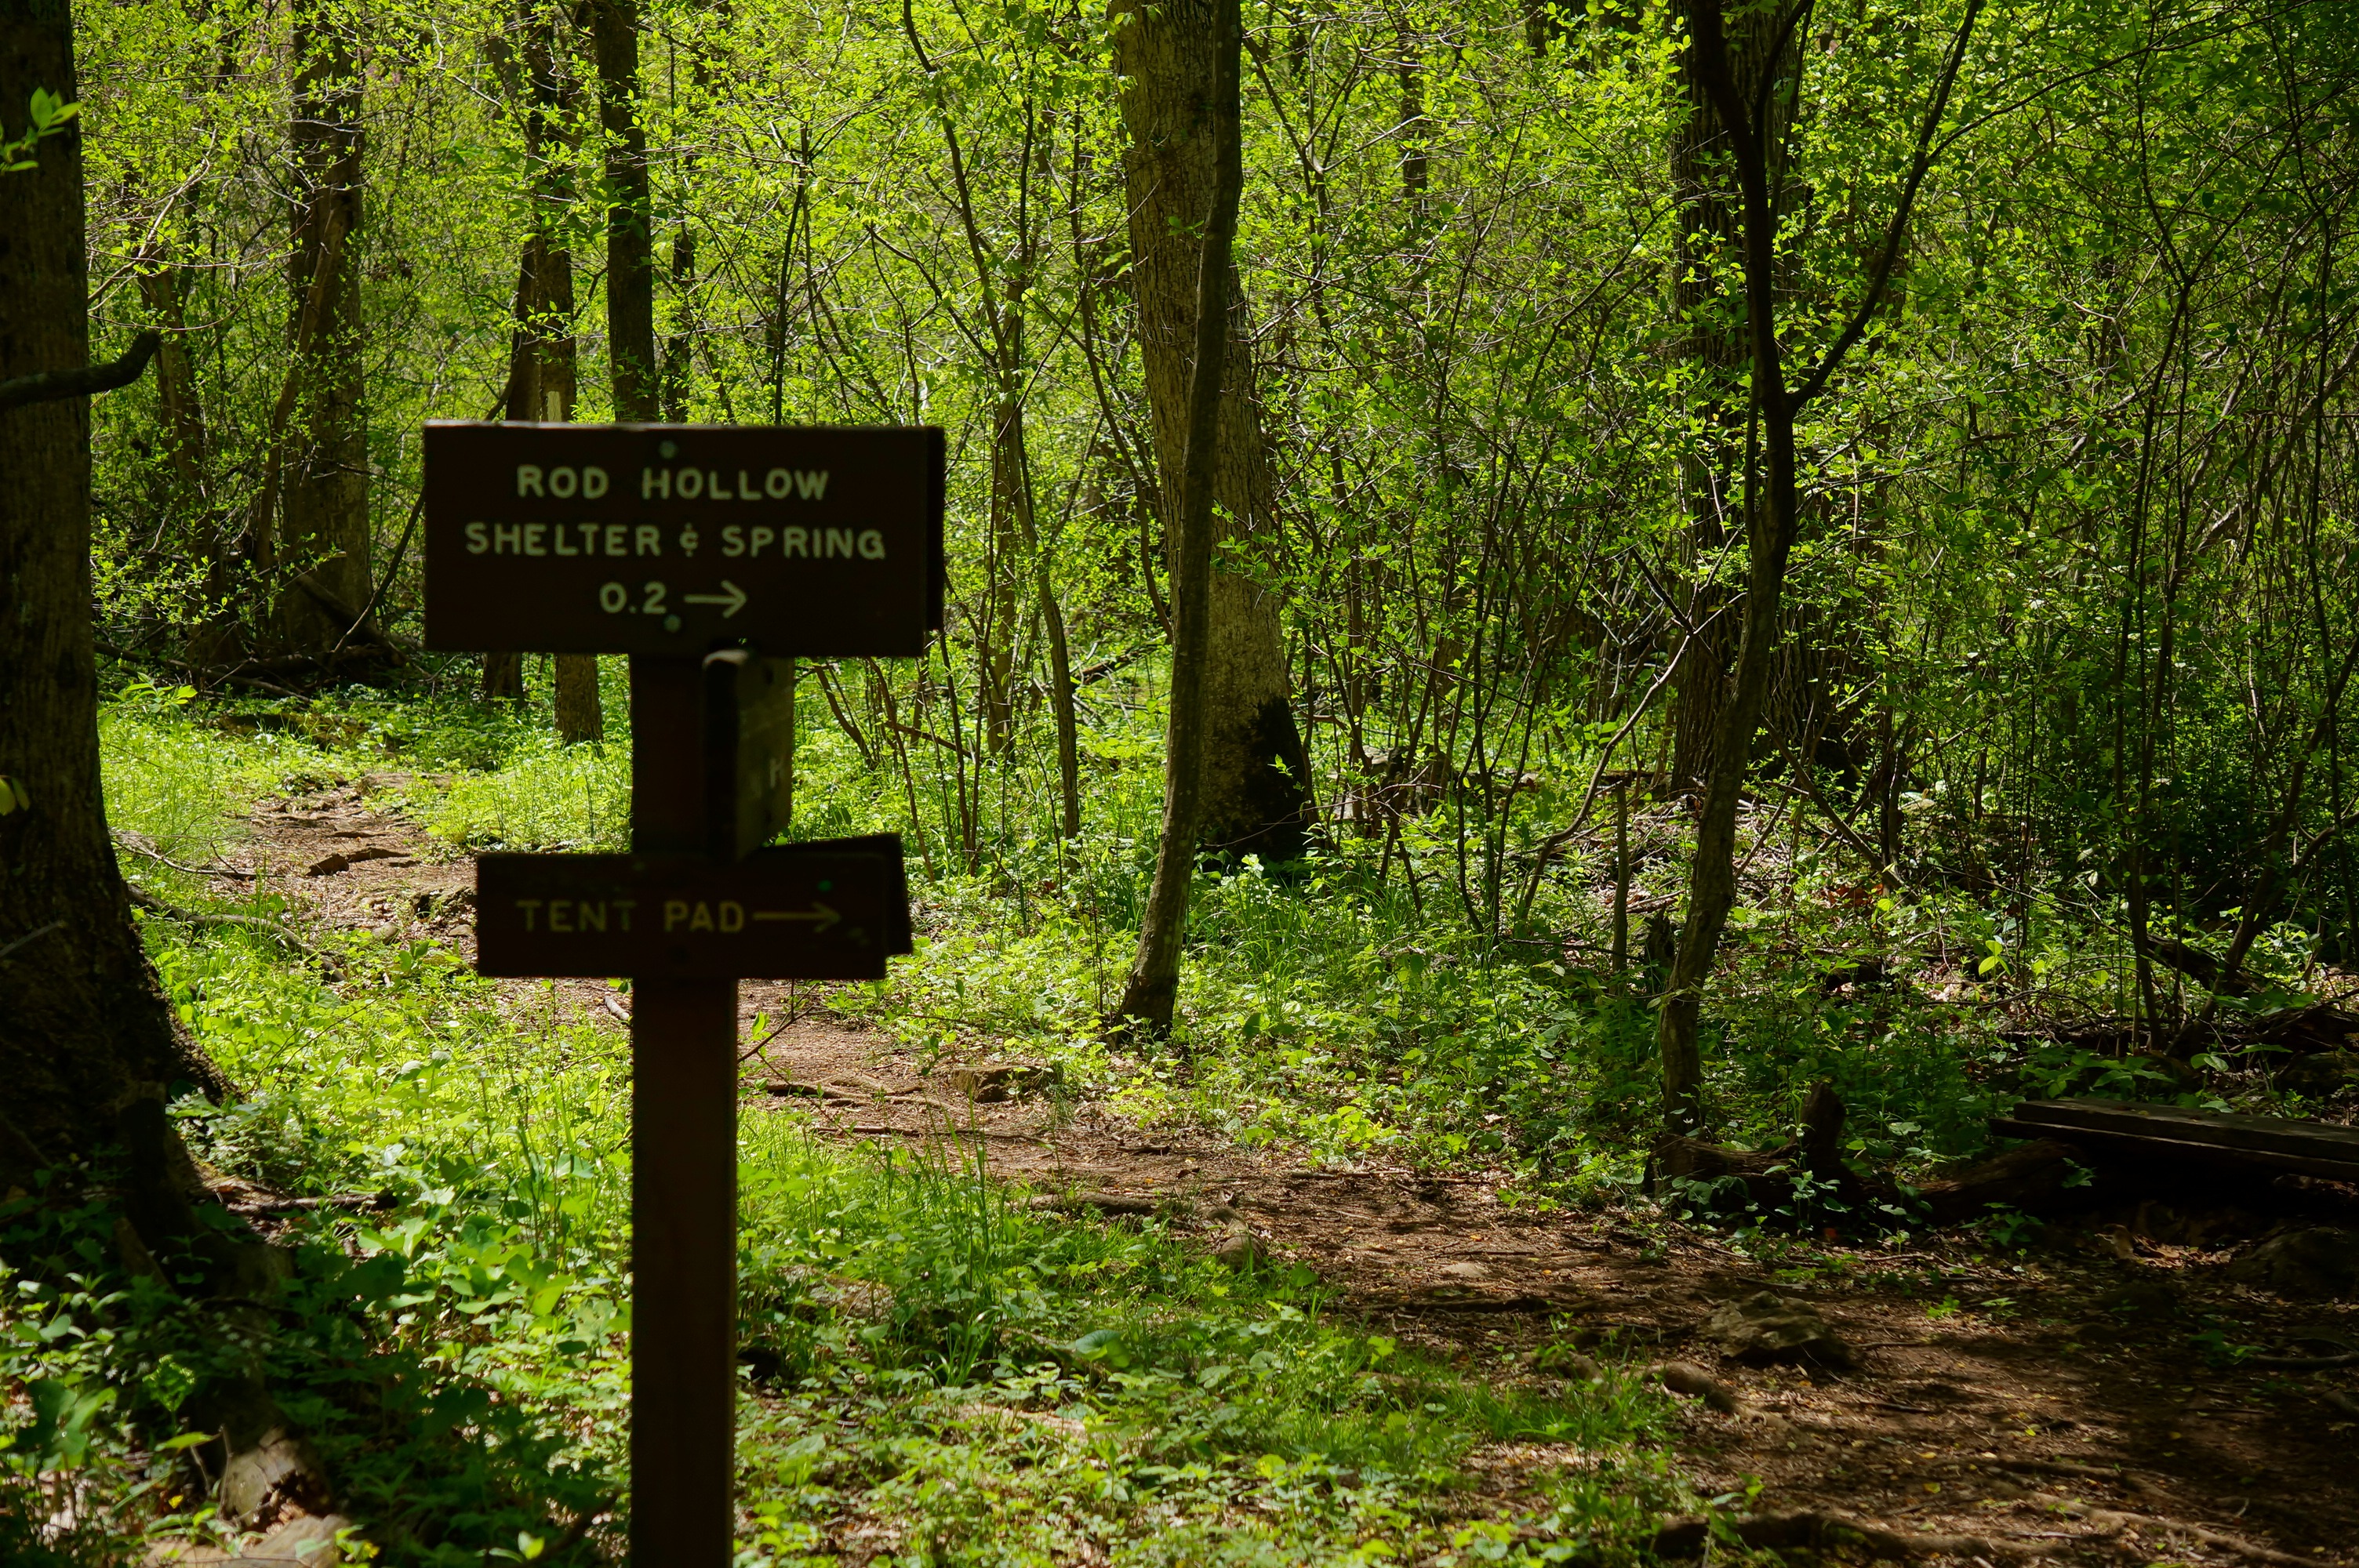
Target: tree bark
677,347
179,413
1771,515
542,358
1256,781
83,1030
1707,297
324,509
1416,130
679,343
88,1047
630,240
1151,992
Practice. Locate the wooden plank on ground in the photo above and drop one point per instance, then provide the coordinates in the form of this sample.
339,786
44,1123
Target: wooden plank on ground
2275,1142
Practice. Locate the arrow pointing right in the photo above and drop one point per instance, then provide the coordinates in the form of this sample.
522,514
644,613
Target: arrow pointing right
820,914
735,598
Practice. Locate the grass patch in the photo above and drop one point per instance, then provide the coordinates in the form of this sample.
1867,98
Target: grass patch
933,1369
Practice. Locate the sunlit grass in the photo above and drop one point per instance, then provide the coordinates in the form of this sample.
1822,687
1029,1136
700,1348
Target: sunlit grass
968,1378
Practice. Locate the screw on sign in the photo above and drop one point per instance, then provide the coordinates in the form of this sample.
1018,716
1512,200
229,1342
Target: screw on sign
712,556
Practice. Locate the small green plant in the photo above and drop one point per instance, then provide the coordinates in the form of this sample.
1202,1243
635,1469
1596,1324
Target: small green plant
2218,1350
46,115
2010,1228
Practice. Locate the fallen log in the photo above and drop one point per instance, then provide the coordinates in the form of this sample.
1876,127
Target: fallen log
2298,1030
2030,1176
1704,1173
1136,1204
1817,1531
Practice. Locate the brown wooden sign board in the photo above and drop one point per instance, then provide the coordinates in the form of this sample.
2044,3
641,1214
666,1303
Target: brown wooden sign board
832,909
668,539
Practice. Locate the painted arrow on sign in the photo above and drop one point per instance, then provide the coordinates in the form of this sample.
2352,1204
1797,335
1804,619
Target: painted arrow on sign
820,914
735,598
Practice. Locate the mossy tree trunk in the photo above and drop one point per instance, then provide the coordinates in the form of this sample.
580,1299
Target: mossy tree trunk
1256,774
324,529
89,1048
1150,994
542,356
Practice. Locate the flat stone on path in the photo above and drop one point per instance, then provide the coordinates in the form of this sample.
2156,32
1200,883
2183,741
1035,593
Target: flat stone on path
1765,1327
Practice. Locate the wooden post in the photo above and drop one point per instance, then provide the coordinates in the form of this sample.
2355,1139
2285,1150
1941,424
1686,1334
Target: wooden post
683,1175
649,541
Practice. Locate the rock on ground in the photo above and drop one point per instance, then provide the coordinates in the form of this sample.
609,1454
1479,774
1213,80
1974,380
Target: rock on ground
2314,1261
1765,1327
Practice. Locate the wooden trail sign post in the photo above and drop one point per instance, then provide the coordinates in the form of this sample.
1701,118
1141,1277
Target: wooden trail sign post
711,554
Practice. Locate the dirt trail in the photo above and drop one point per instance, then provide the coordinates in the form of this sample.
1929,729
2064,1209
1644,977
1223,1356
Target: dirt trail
2055,1410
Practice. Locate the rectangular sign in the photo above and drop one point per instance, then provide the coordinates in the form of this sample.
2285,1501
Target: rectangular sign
671,539
830,910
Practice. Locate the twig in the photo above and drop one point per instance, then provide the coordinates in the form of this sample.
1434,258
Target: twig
148,901
127,839
2208,1537
400,554
384,1200
29,937
2304,1363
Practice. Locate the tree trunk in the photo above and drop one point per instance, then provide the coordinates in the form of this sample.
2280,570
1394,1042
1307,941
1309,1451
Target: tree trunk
1711,875
541,365
88,1047
324,527
502,677
676,344
679,343
1214,29
1771,514
630,240
179,413
1011,526
84,1031
179,416
1416,130
1707,299
1257,783
1888,766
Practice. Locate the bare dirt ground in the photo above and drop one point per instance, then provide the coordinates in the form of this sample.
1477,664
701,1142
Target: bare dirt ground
2054,1408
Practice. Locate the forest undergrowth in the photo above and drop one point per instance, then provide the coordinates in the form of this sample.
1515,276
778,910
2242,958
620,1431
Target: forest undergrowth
930,1362
1376,999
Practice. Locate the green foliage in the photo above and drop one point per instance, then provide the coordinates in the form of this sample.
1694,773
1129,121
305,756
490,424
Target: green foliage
544,796
2069,659
46,115
924,1350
